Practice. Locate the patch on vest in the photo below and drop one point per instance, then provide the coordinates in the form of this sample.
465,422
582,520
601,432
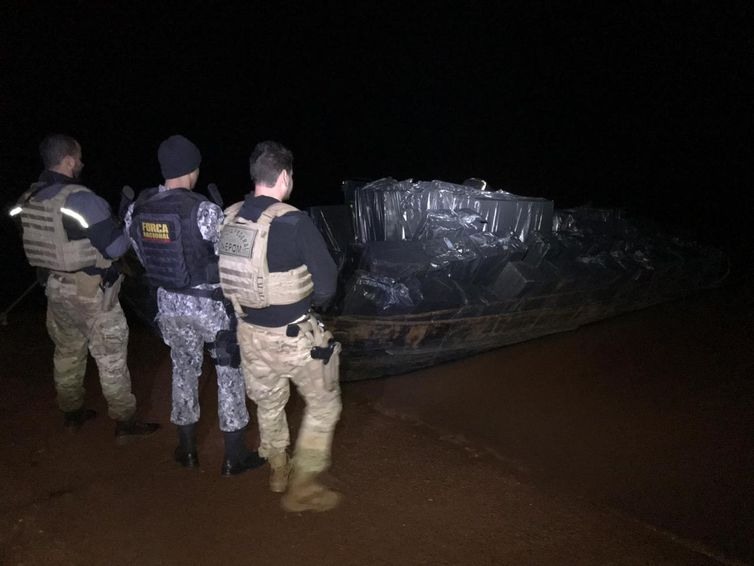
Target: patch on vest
237,241
158,231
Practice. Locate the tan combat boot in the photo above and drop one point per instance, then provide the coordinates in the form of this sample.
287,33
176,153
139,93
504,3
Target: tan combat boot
305,493
279,470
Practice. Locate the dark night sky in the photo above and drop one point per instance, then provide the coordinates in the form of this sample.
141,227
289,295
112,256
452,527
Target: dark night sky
645,106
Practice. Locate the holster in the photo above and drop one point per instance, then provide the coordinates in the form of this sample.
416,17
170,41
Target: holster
227,350
332,368
110,294
325,348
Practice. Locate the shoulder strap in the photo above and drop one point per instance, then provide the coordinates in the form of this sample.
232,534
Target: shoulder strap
274,211
231,212
69,190
269,214
31,191
145,195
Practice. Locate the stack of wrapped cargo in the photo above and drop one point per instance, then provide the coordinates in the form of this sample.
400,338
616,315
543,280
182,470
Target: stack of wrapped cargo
418,246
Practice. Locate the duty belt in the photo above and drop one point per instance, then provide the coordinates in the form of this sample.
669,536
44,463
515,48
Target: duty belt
67,276
293,328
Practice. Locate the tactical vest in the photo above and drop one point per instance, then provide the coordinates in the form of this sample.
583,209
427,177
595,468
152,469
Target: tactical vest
164,227
244,273
46,243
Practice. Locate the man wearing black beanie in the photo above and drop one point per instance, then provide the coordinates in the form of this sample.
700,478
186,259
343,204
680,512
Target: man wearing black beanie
175,234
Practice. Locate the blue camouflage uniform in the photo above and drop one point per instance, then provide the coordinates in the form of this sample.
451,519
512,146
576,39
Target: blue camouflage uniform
190,318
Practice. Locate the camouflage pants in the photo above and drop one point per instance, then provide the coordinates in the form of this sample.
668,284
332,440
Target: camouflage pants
186,324
77,319
270,360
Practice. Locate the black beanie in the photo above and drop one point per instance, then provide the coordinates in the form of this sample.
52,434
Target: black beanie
178,157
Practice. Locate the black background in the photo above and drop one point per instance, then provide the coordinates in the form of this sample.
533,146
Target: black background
642,105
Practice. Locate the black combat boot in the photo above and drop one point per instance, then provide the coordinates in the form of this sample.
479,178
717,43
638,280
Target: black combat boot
125,431
185,453
238,458
74,420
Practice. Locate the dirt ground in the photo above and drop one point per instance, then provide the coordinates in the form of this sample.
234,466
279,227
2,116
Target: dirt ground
629,441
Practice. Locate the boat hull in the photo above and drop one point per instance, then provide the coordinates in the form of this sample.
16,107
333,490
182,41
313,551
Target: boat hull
382,346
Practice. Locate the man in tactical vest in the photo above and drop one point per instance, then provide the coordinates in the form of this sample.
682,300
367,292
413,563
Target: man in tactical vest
274,265
70,235
175,233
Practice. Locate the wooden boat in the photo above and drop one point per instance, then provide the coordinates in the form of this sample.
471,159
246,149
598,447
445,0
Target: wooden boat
388,345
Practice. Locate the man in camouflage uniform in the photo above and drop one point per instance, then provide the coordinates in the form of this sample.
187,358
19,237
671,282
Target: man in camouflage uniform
70,235
175,232
274,265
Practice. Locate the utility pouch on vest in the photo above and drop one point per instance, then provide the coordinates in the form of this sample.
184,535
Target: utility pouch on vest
87,285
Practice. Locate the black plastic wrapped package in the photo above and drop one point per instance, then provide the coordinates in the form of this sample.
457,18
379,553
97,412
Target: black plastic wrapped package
383,210
390,210
503,212
369,294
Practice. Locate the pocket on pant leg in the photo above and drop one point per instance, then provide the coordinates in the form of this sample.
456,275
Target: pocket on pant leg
109,334
87,285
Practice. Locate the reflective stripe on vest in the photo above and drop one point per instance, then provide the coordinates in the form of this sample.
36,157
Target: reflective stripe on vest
244,273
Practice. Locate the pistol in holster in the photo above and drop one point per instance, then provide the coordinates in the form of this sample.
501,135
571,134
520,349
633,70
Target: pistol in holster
324,353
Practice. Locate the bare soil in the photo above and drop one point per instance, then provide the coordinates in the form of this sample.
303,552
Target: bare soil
626,442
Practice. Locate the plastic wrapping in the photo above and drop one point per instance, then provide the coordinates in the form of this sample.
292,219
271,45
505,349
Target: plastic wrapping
398,260
493,253
370,294
458,258
540,247
441,291
426,246
585,220
390,210
503,212
383,211
478,258
453,224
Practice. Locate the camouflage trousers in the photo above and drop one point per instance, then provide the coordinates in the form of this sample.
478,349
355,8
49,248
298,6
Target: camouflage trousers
186,324
80,316
271,360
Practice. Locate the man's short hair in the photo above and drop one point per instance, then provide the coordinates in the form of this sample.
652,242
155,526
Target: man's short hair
55,147
267,161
